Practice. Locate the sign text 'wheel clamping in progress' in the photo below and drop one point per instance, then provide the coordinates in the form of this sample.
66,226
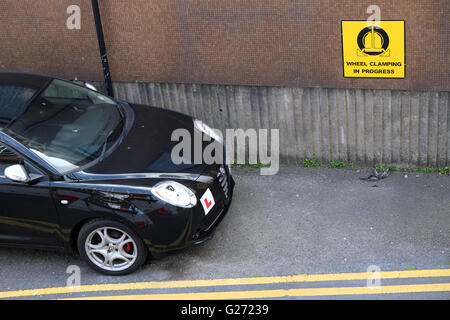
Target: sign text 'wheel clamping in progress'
373,49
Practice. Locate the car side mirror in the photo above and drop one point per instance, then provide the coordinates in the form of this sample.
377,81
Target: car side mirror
17,173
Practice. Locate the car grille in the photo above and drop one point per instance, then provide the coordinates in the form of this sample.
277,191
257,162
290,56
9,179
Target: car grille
223,180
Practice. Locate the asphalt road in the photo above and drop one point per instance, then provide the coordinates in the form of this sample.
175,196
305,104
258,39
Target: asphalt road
300,221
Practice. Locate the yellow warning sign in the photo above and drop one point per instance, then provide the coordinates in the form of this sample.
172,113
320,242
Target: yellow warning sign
373,49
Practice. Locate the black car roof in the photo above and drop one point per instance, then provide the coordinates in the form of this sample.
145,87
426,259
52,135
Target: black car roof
24,79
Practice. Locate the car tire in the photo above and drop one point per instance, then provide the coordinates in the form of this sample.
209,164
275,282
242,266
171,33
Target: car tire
111,247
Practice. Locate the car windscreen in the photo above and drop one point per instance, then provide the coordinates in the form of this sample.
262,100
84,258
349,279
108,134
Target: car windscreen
13,101
68,125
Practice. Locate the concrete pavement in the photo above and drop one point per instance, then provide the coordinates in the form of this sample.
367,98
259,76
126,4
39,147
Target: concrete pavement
300,221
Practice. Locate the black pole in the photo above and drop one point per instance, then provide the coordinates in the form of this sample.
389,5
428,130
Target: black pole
102,47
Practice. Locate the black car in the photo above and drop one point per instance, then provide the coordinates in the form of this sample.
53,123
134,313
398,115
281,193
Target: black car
84,172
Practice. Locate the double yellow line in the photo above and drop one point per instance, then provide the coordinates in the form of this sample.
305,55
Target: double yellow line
252,294
260,294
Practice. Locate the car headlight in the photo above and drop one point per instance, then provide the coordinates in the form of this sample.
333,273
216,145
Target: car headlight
208,130
174,193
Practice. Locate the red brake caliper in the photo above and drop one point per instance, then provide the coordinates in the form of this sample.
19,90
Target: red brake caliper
127,246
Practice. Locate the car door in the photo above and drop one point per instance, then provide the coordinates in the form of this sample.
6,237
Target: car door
27,212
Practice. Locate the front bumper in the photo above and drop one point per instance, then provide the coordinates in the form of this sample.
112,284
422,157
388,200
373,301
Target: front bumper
206,225
182,227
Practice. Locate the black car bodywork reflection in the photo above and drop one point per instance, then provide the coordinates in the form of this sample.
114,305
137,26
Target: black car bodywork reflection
49,211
